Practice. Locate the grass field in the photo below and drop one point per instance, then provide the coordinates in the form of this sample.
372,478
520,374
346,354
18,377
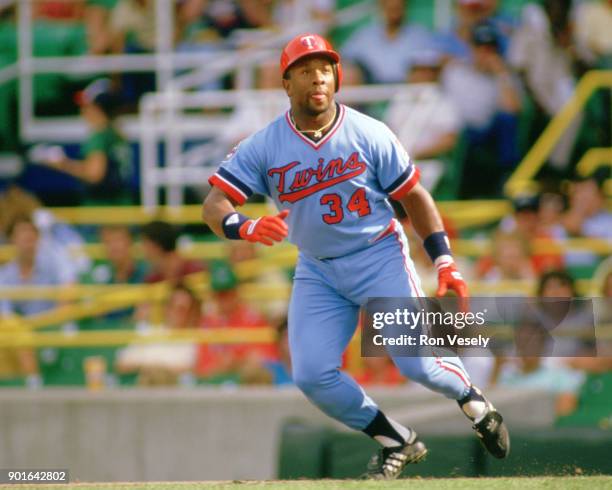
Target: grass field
570,483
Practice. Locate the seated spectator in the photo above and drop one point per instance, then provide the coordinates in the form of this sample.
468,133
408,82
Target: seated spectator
543,53
54,234
588,215
33,266
71,11
489,99
534,368
159,241
511,259
106,155
118,265
456,42
133,25
383,48
593,32
551,208
236,362
436,132
426,121
170,363
535,223
15,202
223,18
97,26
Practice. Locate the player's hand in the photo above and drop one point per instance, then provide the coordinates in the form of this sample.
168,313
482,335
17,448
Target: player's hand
266,230
449,278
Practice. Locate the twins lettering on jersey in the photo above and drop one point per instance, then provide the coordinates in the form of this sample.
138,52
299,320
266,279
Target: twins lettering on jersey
311,180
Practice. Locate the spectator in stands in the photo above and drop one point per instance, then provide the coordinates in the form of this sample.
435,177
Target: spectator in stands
534,223
533,368
593,32
159,243
237,362
172,363
15,202
383,48
133,25
118,265
438,113
511,258
551,208
426,121
106,155
59,10
32,266
587,215
220,19
55,236
542,51
488,97
97,25
456,43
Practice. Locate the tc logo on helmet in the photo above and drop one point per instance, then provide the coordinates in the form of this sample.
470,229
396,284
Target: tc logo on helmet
308,41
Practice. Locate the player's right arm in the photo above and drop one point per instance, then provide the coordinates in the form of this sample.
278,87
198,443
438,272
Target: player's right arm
220,214
238,177
216,206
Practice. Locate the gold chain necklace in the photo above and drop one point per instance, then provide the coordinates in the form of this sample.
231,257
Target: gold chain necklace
316,133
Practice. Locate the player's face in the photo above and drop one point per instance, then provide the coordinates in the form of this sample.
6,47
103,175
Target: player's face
311,85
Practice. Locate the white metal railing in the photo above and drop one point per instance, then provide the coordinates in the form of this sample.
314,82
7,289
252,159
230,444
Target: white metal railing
163,121
164,62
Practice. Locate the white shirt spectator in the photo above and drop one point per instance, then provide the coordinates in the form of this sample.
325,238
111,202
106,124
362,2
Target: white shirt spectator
421,115
474,93
385,60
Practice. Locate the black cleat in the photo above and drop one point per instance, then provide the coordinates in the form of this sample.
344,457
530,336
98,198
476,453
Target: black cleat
389,462
493,434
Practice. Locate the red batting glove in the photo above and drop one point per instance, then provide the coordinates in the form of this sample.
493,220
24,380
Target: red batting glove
266,230
450,278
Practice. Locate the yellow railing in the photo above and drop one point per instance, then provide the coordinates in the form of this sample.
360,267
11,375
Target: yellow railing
285,255
104,338
105,299
537,155
462,213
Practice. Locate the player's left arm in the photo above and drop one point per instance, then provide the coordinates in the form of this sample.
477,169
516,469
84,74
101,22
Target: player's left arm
427,222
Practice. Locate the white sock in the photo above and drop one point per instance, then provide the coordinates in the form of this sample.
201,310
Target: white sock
475,406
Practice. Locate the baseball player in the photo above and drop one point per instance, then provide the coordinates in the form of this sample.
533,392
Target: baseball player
331,171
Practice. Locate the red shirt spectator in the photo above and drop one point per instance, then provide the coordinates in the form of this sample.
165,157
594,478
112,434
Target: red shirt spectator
229,311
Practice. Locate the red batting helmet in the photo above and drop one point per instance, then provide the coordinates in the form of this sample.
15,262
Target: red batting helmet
307,44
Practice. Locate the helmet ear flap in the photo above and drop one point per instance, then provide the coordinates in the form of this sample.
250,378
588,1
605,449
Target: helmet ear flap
337,67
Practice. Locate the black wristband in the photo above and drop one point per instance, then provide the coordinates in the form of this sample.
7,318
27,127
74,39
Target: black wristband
437,245
231,225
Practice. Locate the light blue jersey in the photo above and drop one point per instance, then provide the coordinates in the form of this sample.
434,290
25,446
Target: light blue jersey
336,189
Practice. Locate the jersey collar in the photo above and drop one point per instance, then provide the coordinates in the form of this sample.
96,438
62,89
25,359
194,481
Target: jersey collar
318,144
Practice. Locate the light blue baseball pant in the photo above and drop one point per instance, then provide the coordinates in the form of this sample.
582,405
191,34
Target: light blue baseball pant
323,316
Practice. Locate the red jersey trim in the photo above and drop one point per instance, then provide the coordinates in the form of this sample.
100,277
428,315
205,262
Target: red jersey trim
231,190
407,186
